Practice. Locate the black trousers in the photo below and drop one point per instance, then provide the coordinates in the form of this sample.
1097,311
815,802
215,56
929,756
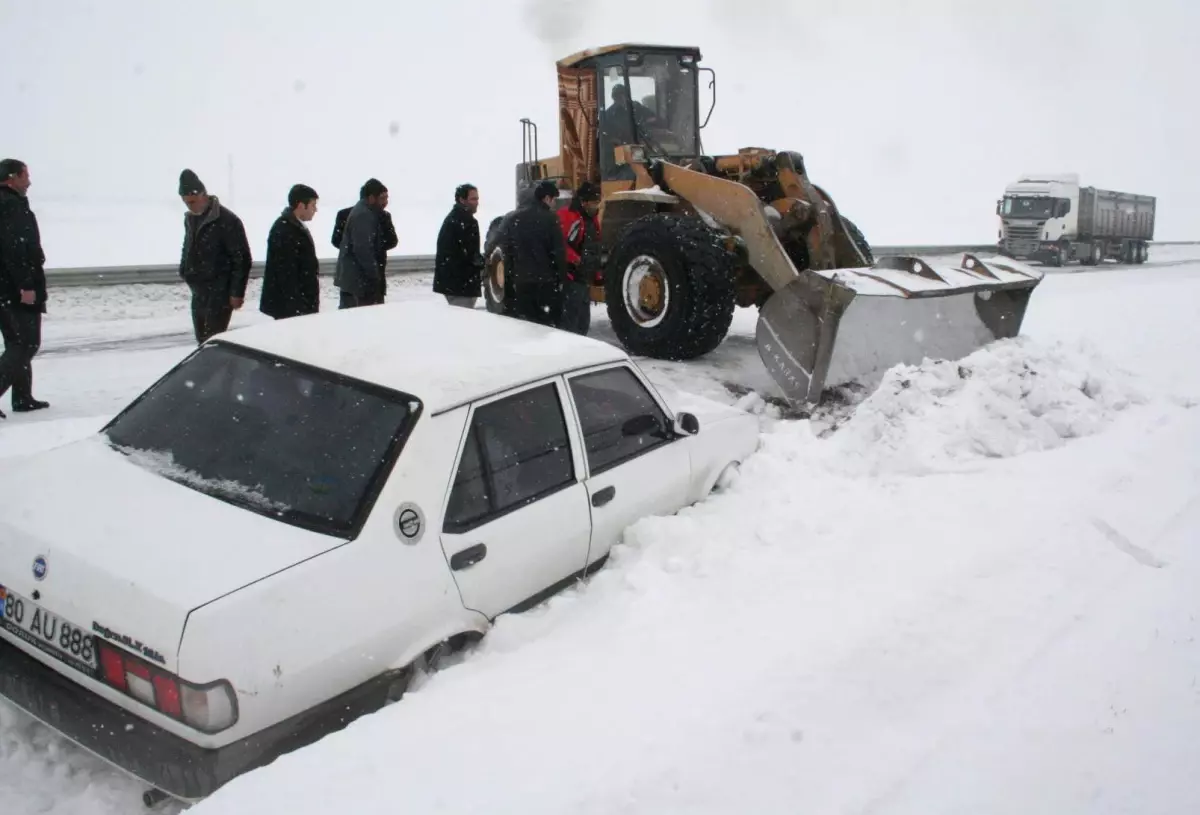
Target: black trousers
350,300
209,318
538,302
576,308
22,331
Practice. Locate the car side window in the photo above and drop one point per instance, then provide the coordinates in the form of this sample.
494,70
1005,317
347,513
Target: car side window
620,418
516,452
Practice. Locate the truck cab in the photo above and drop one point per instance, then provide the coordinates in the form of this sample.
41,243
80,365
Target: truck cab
1039,218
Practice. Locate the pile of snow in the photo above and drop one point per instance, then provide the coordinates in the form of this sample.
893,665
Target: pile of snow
1009,398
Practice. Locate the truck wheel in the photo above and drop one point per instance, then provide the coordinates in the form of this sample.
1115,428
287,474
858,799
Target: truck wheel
860,240
669,287
1095,254
1143,252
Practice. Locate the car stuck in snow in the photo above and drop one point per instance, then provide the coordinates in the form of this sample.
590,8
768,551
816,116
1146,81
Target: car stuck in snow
269,540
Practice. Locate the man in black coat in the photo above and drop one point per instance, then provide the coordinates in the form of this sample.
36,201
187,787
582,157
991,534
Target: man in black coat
458,262
387,236
216,258
291,284
360,275
535,248
22,287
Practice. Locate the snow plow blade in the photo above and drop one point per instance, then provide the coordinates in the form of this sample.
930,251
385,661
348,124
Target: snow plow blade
832,327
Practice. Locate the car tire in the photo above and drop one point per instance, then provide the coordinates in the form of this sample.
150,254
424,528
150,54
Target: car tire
727,478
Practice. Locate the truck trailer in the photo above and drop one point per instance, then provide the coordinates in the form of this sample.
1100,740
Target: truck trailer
1050,218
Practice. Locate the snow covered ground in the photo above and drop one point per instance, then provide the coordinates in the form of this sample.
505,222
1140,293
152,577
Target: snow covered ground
976,594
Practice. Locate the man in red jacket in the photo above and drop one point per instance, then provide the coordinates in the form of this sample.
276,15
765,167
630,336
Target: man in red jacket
581,230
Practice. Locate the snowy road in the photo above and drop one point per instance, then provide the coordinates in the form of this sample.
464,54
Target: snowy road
978,595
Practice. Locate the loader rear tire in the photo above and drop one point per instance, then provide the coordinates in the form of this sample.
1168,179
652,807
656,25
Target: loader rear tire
669,287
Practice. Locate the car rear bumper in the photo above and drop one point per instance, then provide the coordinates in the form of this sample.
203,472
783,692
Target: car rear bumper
159,758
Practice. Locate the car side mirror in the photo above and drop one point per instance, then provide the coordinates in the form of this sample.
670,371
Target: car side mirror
640,425
686,424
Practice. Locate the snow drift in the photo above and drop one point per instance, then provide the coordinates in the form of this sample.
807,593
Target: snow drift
1012,397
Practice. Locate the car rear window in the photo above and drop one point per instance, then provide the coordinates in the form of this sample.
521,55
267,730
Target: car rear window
298,444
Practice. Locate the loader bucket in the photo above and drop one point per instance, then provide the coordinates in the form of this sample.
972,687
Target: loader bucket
832,327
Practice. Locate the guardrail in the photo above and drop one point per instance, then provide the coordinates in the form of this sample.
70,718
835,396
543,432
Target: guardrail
409,264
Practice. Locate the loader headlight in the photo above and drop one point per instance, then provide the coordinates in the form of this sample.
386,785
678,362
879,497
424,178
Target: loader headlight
637,153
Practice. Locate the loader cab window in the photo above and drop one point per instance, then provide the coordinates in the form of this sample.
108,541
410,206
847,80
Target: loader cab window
648,99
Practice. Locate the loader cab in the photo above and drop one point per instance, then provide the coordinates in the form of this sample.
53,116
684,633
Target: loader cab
627,95
649,98
642,96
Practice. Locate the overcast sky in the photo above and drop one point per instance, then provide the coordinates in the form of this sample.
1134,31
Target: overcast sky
913,114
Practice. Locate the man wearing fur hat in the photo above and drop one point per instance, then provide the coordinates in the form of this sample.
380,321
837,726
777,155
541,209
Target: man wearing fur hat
216,258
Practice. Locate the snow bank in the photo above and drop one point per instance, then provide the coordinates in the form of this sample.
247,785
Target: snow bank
1009,398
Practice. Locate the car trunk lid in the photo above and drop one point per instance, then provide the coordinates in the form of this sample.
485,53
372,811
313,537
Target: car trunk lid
122,552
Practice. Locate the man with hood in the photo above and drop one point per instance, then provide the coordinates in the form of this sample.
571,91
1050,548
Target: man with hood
359,273
535,251
581,232
22,287
458,261
216,258
291,286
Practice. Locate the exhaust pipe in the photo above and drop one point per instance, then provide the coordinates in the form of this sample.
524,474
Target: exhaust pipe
153,797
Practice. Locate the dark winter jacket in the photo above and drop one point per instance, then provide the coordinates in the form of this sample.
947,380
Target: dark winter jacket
581,232
22,262
216,254
458,262
358,268
499,226
534,247
387,238
291,285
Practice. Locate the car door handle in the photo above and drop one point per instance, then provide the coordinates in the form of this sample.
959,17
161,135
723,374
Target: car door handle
468,557
602,497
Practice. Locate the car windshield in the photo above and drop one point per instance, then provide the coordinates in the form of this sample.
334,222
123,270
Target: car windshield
294,443
1028,207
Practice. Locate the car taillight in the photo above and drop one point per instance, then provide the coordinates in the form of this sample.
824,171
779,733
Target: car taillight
208,708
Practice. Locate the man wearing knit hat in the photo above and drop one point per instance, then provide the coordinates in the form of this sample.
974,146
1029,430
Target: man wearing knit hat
216,258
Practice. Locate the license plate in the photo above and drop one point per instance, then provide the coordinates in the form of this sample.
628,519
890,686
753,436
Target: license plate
60,638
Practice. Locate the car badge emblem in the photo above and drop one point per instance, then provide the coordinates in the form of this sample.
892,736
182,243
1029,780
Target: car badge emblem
39,568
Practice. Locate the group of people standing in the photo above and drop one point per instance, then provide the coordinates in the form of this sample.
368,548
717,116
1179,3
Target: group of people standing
216,257
550,259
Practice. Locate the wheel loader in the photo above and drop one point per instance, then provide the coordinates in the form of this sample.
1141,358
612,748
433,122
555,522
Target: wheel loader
689,236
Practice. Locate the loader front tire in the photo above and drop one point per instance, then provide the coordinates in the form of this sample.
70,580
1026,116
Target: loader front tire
669,287
860,240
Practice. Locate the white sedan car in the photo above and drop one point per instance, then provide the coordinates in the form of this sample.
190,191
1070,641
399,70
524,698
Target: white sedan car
264,544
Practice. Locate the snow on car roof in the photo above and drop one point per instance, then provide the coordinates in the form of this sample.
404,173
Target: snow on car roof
443,355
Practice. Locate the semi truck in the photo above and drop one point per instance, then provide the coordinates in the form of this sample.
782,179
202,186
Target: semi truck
1051,218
